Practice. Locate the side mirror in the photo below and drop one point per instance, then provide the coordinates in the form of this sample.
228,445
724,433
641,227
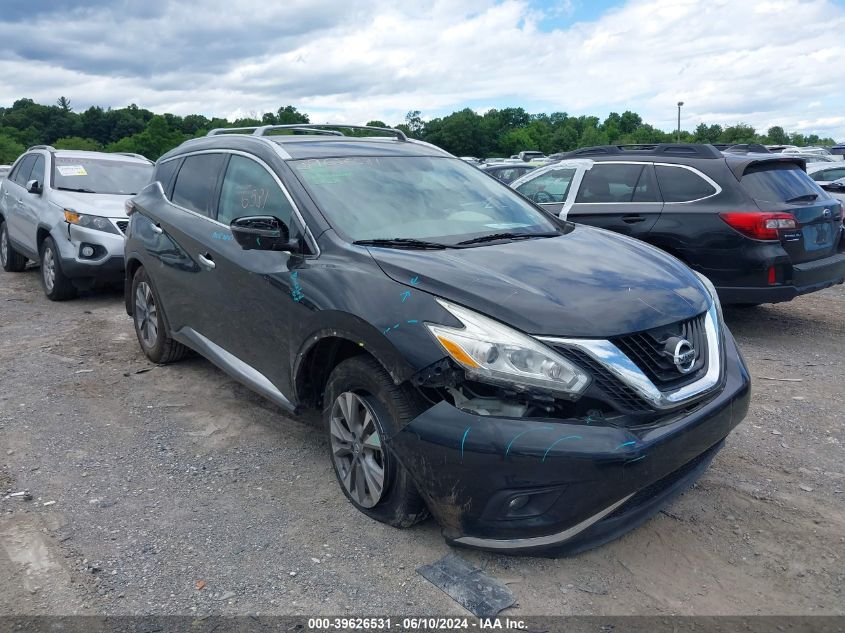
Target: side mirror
263,233
33,186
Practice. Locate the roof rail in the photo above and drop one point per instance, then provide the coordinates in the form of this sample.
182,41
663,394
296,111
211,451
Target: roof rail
49,148
133,155
311,128
329,128
231,130
693,150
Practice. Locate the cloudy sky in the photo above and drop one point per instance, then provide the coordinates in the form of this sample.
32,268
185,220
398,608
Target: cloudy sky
763,62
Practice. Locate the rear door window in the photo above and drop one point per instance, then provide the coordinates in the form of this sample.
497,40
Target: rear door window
614,182
197,181
780,183
678,184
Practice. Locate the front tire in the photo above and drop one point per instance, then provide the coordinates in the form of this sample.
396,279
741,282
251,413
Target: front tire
150,328
10,259
57,286
361,401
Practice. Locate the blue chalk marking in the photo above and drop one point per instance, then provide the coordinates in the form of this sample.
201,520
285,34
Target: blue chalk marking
413,321
568,437
295,274
519,435
396,326
405,295
625,444
386,331
415,281
631,461
464,439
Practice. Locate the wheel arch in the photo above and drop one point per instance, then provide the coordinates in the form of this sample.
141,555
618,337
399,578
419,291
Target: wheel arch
326,348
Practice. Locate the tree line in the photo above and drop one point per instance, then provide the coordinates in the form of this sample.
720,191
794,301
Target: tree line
464,133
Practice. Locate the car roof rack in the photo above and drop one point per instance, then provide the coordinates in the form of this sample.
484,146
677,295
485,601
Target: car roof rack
133,155
691,150
49,148
307,128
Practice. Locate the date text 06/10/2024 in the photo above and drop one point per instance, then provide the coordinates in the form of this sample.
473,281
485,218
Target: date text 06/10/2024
413,624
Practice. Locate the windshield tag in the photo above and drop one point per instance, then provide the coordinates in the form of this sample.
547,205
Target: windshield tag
71,170
507,225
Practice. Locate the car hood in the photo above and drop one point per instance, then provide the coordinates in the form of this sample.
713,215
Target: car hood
103,204
586,283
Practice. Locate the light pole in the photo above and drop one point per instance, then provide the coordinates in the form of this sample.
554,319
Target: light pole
678,136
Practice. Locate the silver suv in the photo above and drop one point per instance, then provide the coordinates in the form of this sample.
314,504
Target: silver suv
65,210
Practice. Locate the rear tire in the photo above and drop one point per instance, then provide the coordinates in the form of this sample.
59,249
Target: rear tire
361,401
10,259
57,286
150,328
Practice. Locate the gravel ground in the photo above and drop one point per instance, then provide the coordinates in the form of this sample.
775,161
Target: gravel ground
174,490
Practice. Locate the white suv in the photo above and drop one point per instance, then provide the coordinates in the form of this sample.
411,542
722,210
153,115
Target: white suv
65,210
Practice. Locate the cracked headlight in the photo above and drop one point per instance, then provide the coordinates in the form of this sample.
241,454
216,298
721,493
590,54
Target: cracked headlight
711,290
90,221
492,352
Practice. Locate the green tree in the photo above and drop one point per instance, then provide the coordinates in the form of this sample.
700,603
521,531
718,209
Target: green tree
10,149
376,123
776,135
64,104
154,141
289,114
77,142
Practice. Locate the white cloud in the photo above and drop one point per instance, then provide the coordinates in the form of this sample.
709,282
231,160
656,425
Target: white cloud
764,63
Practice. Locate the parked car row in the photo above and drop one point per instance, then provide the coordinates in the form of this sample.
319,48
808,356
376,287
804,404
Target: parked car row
537,385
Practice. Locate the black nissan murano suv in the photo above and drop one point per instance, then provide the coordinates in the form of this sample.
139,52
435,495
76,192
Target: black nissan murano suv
536,385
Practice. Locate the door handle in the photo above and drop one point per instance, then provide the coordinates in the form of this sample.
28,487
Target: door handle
157,229
633,219
206,260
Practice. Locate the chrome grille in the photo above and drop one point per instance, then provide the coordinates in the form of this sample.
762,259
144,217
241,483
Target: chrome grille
646,350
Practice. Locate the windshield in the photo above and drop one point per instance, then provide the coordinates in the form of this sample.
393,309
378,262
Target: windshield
413,197
90,175
780,183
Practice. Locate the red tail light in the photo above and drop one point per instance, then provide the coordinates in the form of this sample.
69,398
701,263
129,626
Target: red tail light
759,225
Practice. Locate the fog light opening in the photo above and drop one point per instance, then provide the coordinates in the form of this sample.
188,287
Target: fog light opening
517,503
87,251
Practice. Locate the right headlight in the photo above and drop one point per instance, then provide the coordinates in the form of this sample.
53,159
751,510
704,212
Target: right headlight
711,289
494,353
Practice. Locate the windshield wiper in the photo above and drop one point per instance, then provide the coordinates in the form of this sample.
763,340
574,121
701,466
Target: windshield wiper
807,197
402,242
505,236
76,190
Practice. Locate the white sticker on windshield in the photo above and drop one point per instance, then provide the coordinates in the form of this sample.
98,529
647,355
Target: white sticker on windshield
71,170
507,225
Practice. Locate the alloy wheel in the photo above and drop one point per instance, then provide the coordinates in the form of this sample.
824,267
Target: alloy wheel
146,314
48,269
356,449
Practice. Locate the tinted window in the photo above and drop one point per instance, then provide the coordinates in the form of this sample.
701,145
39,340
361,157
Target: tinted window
427,198
618,183
95,175
37,172
164,173
682,185
779,183
195,184
552,186
249,189
23,170
829,174
839,151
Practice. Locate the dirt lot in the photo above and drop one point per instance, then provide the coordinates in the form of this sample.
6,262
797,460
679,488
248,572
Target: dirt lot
149,480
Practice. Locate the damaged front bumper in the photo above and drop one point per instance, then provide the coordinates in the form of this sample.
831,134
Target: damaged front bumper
557,486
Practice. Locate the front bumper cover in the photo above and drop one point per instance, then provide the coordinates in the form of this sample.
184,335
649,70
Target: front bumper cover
576,475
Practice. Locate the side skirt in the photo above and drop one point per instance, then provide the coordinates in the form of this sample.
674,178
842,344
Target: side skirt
232,365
